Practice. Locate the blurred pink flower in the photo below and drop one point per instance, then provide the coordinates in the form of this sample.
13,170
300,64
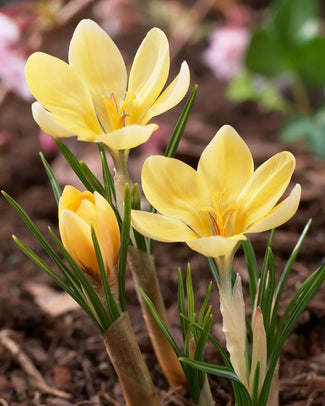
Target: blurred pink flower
47,143
12,64
9,32
226,50
115,16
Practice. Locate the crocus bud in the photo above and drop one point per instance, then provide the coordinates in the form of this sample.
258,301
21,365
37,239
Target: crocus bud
78,211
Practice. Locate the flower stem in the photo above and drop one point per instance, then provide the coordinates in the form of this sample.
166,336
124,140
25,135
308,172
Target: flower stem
145,278
129,365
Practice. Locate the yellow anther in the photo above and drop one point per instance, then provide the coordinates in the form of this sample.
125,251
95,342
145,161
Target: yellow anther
220,218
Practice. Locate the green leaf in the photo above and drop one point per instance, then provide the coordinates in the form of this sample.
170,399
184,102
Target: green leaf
160,323
255,384
110,302
287,322
295,129
266,56
190,294
54,183
264,270
180,126
88,288
311,61
294,21
136,205
213,271
77,296
253,272
75,165
92,179
204,304
221,371
269,288
107,177
125,232
282,281
181,305
241,88
311,129
57,260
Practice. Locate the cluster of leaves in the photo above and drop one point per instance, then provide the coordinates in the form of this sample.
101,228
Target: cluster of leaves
285,70
265,293
195,329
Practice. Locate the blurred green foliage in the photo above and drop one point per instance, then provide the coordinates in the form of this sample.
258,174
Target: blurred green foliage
285,70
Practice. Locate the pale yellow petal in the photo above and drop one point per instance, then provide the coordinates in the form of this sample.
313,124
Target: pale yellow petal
161,228
62,93
47,124
69,196
127,137
174,189
149,72
280,214
170,97
99,63
215,246
265,187
87,211
226,164
76,237
108,231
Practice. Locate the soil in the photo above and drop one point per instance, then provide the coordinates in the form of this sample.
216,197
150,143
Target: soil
50,353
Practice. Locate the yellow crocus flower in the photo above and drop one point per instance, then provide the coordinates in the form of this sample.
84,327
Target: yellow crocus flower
78,211
213,207
92,98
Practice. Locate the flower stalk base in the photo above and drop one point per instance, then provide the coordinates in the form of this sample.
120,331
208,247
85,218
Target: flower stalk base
145,278
129,365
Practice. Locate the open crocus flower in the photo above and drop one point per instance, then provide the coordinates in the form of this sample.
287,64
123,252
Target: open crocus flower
213,207
91,96
78,211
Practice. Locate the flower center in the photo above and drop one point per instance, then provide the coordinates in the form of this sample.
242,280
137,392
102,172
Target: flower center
220,216
117,115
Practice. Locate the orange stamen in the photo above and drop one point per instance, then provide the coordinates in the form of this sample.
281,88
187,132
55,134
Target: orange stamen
117,116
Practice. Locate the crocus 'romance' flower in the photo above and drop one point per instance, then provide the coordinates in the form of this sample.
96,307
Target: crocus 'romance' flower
92,98
211,208
78,211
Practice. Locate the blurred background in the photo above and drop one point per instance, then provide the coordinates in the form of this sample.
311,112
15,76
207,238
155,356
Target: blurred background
260,67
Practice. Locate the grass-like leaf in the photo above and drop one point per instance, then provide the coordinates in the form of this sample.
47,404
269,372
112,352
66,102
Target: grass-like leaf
268,290
282,281
252,267
180,126
136,205
110,193
96,185
75,164
181,304
89,290
54,183
218,370
254,395
110,302
213,271
125,232
79,298
296,306
160,323
264,270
